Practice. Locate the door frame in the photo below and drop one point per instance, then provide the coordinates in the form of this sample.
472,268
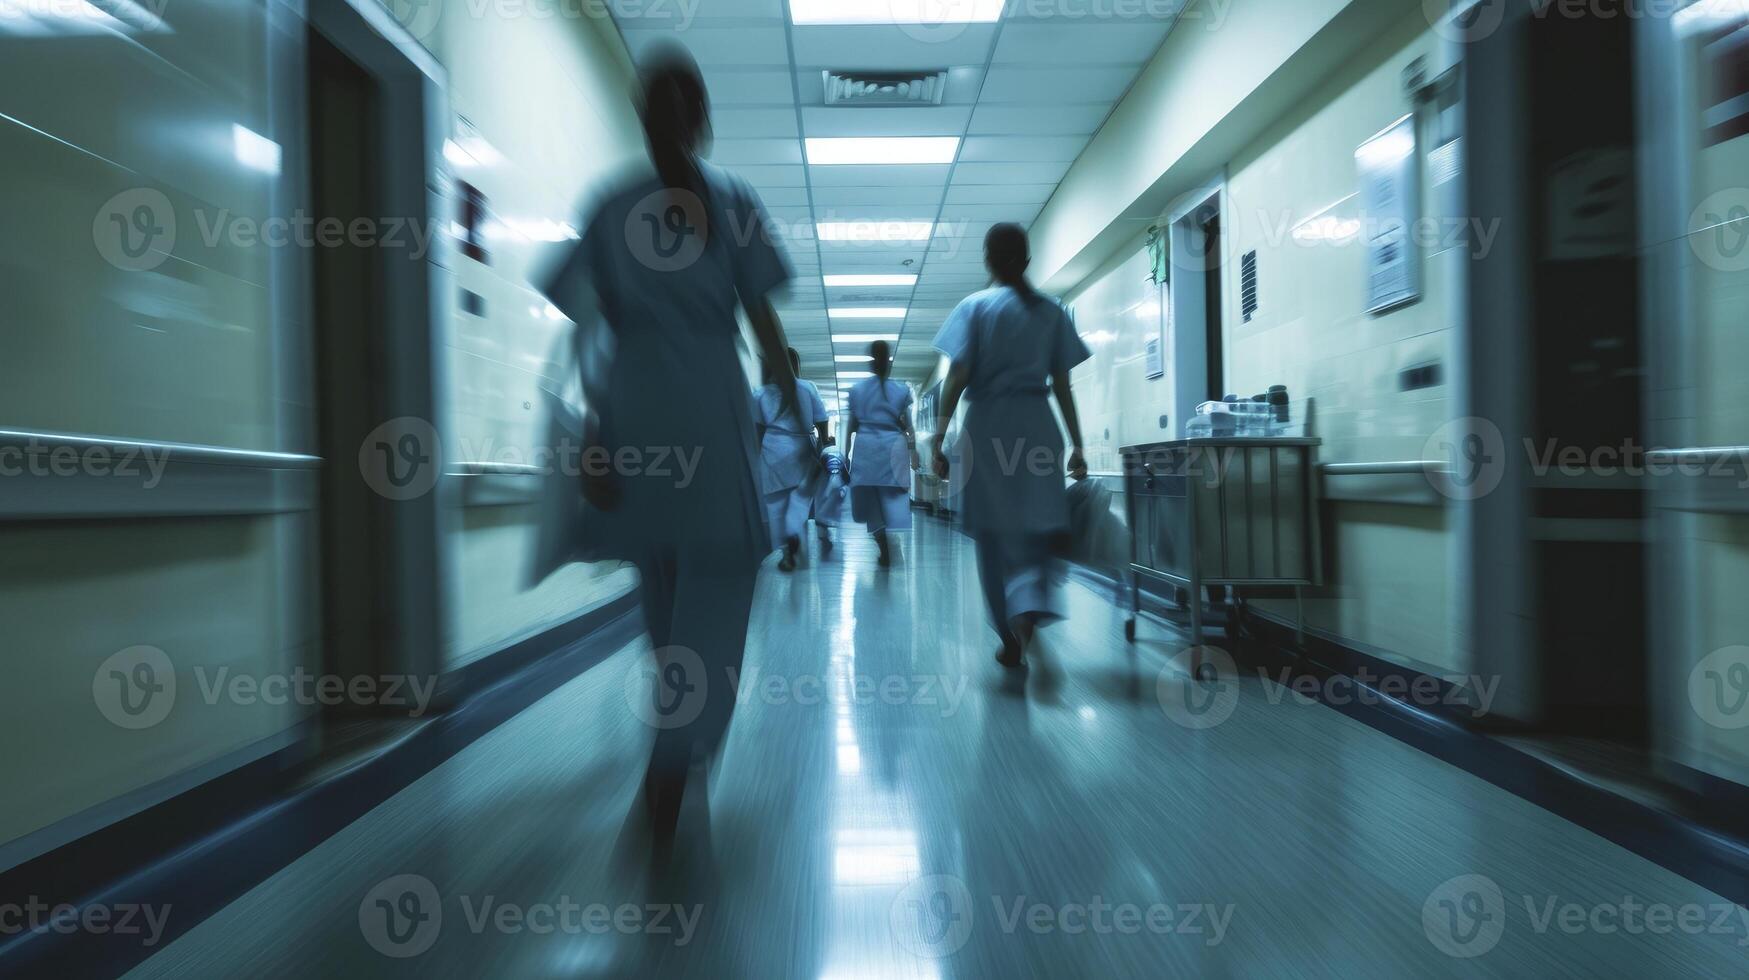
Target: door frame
1187,292
417,306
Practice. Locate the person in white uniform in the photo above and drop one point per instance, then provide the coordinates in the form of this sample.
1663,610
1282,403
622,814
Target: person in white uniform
1009,348
789,459
661,268
882,451
829,502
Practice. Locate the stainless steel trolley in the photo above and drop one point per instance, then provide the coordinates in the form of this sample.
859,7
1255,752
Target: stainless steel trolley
1234,511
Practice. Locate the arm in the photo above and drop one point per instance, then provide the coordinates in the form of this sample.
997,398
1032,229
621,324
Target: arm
951,390
774,348
1072,422
910,438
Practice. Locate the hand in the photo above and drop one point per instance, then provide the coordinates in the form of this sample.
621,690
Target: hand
938,462
916,461
1077,464
600,488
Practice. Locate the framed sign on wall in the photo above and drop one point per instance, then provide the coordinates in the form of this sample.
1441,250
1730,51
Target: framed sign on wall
1390,207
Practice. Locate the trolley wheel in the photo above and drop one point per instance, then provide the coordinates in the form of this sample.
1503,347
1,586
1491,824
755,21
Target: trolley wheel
1129,630
1206,673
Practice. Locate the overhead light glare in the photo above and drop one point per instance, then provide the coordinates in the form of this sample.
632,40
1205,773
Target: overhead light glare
808,13
854,280
866,312
881,150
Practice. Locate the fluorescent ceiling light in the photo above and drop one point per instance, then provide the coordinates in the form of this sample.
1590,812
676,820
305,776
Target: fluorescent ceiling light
852,358
874,231
254,150
905,280
866,312
865,338
815,12
839,150
856,374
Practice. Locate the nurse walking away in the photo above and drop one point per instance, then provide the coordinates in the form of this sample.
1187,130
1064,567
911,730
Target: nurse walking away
1003,345
789,459
661,263
883,451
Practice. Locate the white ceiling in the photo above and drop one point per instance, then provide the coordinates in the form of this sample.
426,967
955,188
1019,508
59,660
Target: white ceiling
1026,94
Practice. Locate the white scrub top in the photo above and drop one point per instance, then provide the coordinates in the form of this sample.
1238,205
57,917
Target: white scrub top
666,270
787,455
879,454
1010,348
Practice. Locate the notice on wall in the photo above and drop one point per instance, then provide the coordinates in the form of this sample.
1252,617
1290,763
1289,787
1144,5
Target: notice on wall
1390,205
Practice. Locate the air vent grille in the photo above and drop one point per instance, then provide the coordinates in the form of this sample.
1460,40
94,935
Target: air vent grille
884,88
1248,285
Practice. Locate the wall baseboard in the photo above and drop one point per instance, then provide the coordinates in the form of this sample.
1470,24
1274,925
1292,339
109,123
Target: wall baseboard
194,853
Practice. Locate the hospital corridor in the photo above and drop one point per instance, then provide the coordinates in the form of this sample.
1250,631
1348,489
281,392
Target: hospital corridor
842,489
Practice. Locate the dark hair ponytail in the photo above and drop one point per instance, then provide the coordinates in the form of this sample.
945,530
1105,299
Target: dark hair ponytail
675,111
1007,253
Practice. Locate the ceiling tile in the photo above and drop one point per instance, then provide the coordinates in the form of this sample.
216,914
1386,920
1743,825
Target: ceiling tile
739,152
884,47
1010,173
924,197
999,193
730,87
1082,43
1021,148
754,123
1013,83
947,120
1039,120
718,46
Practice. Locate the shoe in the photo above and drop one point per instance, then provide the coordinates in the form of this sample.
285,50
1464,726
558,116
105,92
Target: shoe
886,557
1010,656
825,548
788,562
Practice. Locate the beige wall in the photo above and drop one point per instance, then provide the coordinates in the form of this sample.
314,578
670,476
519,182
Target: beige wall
552,98
189,351
1311,333
1389,585
1714,282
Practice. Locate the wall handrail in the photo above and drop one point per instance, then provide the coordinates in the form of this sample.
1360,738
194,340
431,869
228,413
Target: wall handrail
48,443
1405,467
1698,454
490,468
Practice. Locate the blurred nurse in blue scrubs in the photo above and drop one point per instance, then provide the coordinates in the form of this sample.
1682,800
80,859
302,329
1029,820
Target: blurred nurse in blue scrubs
662,265
883,451
1009,349
789,459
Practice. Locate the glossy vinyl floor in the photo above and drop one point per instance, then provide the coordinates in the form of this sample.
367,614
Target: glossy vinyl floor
890,805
